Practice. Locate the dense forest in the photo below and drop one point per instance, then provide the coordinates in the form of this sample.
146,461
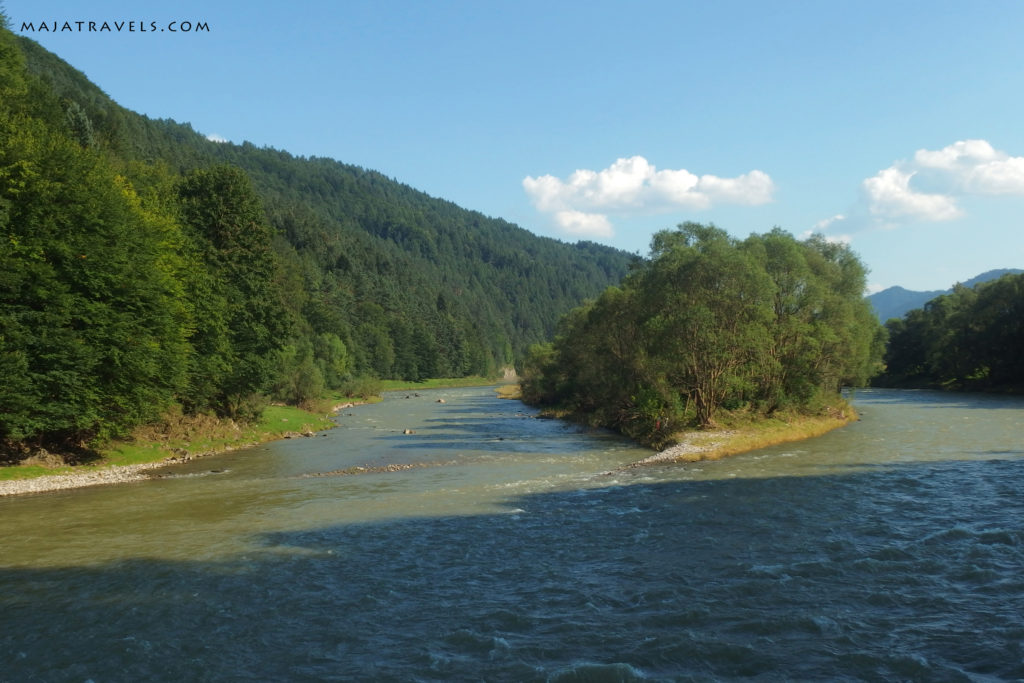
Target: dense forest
710,322
145,268
971,338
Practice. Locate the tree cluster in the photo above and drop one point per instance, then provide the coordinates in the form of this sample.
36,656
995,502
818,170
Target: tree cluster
708,322
143,266
969,339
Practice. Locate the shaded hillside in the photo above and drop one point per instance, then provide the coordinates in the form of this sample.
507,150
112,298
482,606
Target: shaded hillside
146,269
895,302
360,240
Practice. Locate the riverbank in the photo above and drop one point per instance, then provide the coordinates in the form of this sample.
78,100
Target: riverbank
154,447
124,462
445,382
718,443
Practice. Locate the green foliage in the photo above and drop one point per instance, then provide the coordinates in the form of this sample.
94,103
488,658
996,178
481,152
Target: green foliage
225,221
360,387
709,321
299,378
143,266
91,315
78,123
12,65
970,338
707,304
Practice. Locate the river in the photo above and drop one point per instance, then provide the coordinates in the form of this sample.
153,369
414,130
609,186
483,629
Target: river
511,548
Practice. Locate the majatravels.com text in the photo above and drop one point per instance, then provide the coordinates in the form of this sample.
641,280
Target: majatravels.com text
115,27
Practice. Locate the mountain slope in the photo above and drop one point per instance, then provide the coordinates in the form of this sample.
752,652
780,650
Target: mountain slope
895,302
145,270
368,241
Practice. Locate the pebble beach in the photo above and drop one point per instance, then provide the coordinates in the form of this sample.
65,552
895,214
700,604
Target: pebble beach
55,482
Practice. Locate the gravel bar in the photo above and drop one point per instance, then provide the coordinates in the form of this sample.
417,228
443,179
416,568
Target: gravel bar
55,482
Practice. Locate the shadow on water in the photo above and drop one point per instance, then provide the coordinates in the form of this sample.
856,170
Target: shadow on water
908,573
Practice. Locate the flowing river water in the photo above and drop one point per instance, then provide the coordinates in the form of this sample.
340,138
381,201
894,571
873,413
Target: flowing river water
501,547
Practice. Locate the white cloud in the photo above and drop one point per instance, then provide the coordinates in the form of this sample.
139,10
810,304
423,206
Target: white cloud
831,239
213,137
927,187
823,225
951,156
580,223
581,202
890,196
751,189
679,187
1000,176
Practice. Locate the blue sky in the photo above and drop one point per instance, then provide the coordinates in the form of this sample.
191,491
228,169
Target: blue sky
895,126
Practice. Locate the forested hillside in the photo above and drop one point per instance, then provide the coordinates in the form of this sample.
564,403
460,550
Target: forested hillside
895,302
971,338
711,322
144,267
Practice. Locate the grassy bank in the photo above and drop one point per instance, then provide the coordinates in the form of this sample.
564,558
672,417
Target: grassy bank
440,383
186,438
180,438
735,431
744,434
509,391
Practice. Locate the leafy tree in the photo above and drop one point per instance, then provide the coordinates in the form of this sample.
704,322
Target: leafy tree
709,304
91,316
79,124
969,338
12,66
711,322
299,377
997,331
227,226
332,358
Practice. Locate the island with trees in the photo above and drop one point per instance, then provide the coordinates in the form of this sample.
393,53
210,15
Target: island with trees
712,325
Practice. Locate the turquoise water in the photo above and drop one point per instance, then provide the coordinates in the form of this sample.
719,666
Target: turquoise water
513,550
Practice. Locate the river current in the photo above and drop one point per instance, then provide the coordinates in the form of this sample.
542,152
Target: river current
492,545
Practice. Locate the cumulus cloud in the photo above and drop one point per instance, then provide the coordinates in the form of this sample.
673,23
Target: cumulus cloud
581,203
823,225
890,196
928,186
213,137
580,223
831,239
951,156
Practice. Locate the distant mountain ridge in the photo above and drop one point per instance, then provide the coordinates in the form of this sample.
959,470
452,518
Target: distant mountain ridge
895,302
